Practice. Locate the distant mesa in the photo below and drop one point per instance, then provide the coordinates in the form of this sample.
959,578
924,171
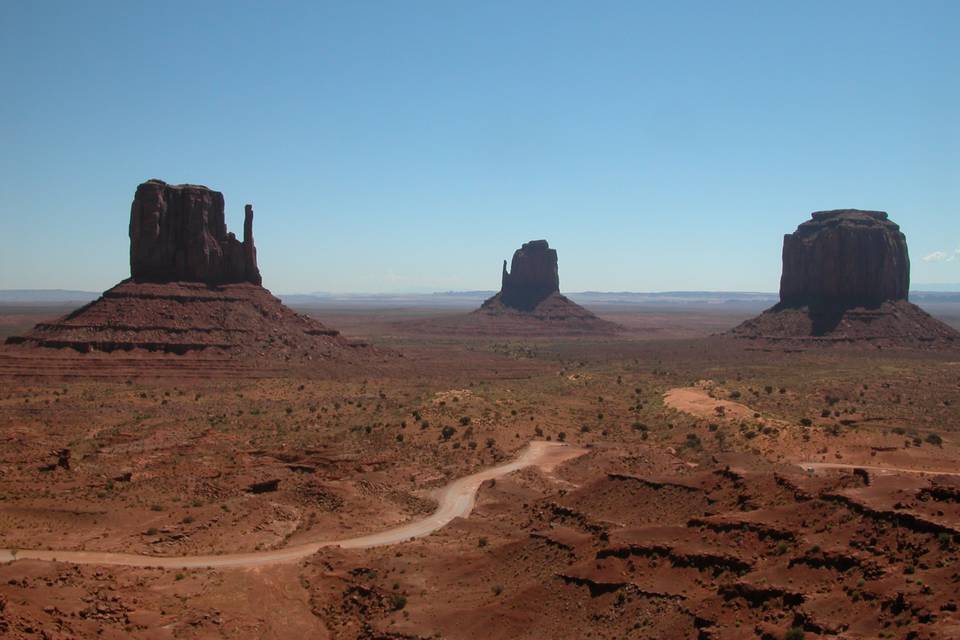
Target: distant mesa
846,277
529,303
194,287
530,300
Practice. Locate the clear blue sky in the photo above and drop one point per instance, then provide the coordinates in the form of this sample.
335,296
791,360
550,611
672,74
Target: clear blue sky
409,146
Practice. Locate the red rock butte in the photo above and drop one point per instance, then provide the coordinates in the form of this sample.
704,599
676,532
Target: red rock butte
532,278
194,289
178,233
530,301
846,278
845,257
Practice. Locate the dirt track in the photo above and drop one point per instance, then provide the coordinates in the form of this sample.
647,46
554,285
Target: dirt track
455,500
698,402
814,466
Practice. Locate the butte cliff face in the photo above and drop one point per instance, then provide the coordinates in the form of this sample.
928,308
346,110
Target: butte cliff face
846,277
532,278
178,234
846,258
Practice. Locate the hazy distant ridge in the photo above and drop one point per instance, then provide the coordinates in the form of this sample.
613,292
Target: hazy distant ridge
920,294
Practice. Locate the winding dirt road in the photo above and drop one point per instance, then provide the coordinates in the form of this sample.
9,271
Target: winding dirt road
455,500
816,466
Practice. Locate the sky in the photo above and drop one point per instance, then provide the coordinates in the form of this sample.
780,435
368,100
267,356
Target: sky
412,146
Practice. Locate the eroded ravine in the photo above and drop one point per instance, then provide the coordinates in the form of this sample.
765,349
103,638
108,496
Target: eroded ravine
455,500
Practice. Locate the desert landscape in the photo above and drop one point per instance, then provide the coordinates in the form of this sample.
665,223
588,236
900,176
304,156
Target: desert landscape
188,457
480,321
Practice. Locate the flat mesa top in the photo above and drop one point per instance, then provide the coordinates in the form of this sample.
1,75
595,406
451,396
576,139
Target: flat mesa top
849,218
536,244
160,182
848,213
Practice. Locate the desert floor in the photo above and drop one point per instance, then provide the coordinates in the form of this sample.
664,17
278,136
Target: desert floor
705,488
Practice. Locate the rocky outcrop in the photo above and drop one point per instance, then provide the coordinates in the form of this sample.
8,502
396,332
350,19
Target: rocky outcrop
195,289
847,258
530,302
178,234
532,278
846,277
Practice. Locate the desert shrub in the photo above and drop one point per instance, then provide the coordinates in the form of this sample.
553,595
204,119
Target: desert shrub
465,420
447,432
398,601
693,441
482,542
793,633
497,589
935,439
806,422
